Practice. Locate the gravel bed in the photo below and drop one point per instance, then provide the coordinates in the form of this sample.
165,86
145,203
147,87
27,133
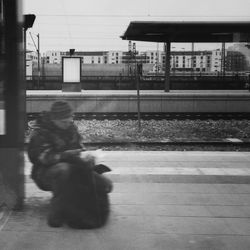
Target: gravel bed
170,148
162,131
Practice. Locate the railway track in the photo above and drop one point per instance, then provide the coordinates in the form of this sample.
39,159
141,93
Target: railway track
156,116
222,144
168,145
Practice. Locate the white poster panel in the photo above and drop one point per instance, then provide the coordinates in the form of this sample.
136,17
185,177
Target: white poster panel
2,121
2,103
71,69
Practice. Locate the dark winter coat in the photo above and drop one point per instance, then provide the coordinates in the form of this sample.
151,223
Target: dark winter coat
48,142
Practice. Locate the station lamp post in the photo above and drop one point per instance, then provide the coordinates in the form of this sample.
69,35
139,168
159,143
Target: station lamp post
29,20
71,52
28,23
38,56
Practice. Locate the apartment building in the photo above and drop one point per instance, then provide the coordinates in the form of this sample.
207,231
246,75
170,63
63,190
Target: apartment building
114,57
216,60
180,60
52,56
91,57
31,56
243,51
199,61
31,59
236,61
187,60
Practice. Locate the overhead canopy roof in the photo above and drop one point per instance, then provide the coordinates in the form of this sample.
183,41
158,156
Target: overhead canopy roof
155,31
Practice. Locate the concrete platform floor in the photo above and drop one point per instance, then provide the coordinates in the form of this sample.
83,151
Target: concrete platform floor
161,200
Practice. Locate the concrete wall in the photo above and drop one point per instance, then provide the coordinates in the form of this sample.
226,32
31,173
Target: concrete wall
127,102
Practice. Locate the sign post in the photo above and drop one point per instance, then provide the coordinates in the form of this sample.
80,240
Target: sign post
137,87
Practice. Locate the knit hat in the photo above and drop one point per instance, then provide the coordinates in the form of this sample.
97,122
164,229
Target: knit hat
60,110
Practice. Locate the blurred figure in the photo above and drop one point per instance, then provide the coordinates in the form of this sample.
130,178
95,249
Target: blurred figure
54,137
55,150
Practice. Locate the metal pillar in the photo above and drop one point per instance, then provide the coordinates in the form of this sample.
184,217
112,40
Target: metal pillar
167,66
12,142
223,55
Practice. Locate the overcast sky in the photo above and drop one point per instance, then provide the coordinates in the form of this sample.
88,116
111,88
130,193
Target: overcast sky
89,25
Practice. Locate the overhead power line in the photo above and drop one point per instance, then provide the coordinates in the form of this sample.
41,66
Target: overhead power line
80,24
89,37
139,15
33,41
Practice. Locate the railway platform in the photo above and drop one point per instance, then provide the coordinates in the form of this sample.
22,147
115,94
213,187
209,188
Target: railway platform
161,200
158,101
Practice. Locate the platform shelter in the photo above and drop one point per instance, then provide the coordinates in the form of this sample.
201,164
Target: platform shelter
186,32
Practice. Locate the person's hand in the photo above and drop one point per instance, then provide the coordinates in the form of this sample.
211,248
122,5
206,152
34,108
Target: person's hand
72,152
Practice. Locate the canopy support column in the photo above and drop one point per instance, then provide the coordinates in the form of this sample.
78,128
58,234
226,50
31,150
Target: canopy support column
167,66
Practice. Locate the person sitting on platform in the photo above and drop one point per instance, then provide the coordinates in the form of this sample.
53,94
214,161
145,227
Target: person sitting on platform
54,140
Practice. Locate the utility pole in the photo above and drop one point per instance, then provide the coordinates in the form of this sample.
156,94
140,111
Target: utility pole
28,23
38,57
137,88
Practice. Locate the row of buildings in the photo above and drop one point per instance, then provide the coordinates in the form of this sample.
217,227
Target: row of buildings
235,58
